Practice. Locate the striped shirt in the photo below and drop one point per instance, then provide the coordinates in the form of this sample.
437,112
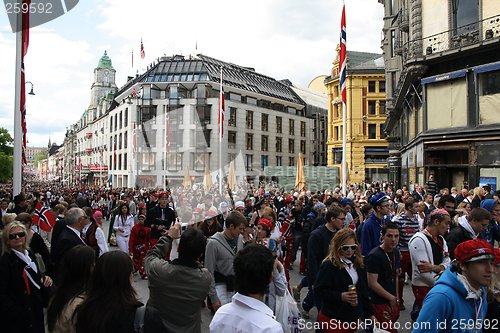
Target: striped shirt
407,228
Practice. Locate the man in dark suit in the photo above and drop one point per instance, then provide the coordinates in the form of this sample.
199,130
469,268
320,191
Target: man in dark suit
69,237
4,203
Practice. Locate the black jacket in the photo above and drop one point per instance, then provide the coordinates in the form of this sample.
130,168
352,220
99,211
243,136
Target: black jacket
66,241
154,217
331,282
19,311
456,236
317,249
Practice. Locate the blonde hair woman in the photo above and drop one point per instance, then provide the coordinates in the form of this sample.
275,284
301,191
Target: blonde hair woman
341,283
21,283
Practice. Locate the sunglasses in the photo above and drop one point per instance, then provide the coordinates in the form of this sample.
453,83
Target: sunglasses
349,247
17,235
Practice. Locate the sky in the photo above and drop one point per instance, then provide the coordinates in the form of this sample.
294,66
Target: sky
284,39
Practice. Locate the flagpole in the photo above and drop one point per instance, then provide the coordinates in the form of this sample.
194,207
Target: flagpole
18,132
343,88
221,129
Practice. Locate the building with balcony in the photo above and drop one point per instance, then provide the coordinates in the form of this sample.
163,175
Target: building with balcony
442,64
367,150
166,120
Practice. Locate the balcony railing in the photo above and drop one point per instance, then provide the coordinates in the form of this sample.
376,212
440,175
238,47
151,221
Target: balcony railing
403,20
454,39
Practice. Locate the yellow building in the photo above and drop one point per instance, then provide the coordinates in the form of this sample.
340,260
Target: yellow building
366,145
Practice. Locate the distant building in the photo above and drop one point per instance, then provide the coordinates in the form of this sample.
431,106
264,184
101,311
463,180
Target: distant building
33,152
166,120
443,91
367,150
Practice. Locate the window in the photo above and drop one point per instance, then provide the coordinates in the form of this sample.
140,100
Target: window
265,122
125,121
371,107
372,131
148,113
249,119
121,119
394,83
124,161
231,139
382,133
249,141
263,161
464,13
203,112
232,117
381,107
264,143
302,128
291,146
249,162
120,141
335,133
116,122
489,96
125,139
119,161
302,146
447,104
291,124
371,86
381,86
279,125
291,161
393,42
279,145
111,124
279,161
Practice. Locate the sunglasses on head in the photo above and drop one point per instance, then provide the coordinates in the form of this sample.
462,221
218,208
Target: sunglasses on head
349,247
17,235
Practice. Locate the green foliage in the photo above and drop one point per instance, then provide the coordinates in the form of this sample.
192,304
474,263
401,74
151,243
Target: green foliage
6,166
6,142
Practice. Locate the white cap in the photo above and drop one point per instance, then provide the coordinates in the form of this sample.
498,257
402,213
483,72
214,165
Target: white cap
239,204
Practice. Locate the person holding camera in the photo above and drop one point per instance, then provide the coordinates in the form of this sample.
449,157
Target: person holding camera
177,288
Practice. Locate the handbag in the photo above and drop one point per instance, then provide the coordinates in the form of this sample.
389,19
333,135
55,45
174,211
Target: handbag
287,313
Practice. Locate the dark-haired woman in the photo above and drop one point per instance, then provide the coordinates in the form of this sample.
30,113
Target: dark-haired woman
342,285
110,303
124,222
73,280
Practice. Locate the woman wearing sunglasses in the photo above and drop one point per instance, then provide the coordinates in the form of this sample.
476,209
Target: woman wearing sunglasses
342,286
21,284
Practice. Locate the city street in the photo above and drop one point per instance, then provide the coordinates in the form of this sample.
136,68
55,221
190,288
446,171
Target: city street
141,287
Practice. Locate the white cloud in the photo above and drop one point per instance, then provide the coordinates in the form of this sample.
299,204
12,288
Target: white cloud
292,39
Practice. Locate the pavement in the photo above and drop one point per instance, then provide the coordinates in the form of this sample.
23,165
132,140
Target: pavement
141,287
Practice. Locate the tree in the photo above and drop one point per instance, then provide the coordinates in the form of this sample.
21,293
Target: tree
41,156
6,166
6,142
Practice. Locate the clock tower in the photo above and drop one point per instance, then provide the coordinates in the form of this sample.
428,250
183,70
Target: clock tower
104,83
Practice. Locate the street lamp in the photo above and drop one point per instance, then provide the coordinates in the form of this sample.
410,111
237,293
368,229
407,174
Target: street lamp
31,91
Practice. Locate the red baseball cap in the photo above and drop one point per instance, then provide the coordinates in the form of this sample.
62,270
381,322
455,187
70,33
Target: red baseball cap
288,199
474,250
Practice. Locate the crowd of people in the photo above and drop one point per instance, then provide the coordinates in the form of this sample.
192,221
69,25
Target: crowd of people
232,253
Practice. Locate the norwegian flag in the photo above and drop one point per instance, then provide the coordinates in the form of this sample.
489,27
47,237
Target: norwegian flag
220,119
25,36
143,53
134,93
343,54
134,140
43,217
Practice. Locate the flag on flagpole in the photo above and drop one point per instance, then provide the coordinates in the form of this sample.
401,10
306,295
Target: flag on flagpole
25,36
167,132
220,120
343,55
134,141
132,58
43,217
134,92
143,54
